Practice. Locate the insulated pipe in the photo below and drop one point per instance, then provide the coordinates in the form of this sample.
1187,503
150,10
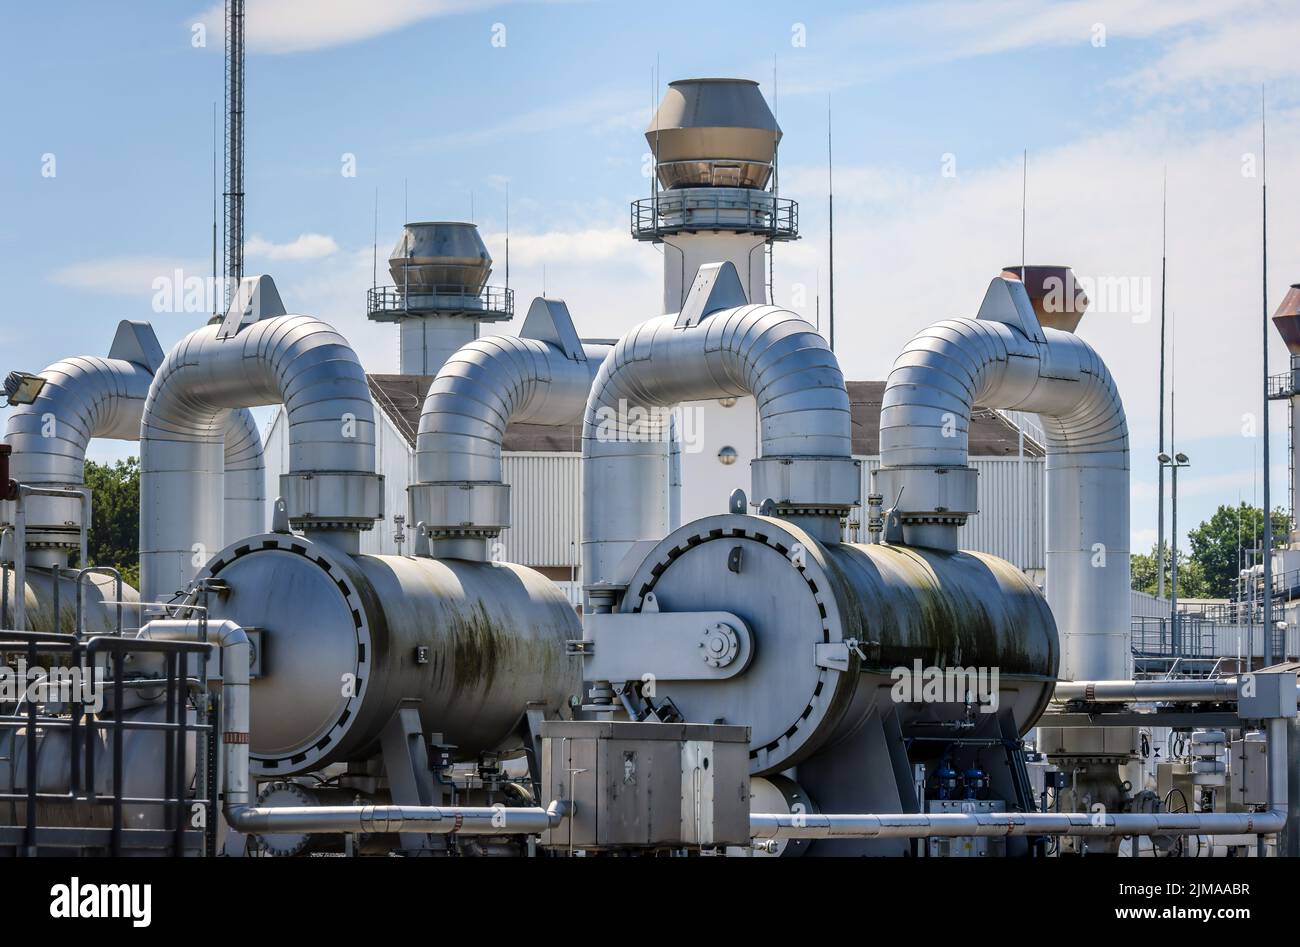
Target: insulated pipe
87,396
951,825
1004,359
437,820
806,461
790,825
235,713
294,360
461,496
237,785
1119,692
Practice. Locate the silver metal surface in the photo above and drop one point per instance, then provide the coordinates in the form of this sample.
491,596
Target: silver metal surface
763,351
292,360
341,635
543,376
87,396
444,254
883,606
713,132
99,603
1004,359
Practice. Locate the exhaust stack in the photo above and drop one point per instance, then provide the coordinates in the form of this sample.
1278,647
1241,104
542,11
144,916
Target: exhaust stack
439,296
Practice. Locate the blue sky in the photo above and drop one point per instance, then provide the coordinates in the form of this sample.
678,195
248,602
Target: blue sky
1103,94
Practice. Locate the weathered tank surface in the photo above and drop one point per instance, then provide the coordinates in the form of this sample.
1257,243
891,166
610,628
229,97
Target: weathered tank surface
347,638
833,624
99,598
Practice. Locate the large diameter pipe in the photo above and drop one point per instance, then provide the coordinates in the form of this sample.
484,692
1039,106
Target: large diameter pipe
87,396
461,496
763,351
293,360
956,365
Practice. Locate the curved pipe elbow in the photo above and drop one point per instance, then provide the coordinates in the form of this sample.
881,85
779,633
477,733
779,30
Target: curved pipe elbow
293,360
485,386
770,353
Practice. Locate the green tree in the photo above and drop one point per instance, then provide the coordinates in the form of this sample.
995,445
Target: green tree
1217,543
115,529
1191,575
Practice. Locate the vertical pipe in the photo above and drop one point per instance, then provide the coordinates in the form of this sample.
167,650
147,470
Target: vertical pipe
1173,573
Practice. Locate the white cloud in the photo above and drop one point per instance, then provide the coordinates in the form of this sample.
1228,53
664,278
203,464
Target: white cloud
293,26
913,248
126,275
1207,42
307,246
604,111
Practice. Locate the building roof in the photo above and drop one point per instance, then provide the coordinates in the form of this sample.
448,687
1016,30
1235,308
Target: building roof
402,396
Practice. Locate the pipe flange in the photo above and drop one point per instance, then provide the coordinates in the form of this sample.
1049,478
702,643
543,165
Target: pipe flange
808,483
948,492
335,499
283,794
461,507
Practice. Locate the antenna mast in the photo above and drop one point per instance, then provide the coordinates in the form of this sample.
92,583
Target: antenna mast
1268,512
234,219
830,221
1160,503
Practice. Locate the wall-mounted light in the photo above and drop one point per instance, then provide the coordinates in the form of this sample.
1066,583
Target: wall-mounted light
727,456
23,387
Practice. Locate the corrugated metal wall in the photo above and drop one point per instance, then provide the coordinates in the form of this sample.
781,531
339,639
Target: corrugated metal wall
545,508
1010,523
393,458
546,501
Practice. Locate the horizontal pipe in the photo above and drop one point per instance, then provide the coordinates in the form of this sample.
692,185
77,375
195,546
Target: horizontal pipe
783,825
436,820
1118,692
954,825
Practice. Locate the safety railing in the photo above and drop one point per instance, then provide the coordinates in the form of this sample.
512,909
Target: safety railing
739,210
393,303
56,702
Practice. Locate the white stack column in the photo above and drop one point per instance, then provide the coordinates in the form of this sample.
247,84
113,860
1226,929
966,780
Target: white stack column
707,428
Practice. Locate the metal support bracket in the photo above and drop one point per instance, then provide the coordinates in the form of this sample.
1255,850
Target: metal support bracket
664,646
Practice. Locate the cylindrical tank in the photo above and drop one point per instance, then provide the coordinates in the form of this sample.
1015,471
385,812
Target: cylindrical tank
99,597
345,638
833,624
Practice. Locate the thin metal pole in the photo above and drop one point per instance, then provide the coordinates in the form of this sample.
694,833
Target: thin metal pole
830,214
1268,510
1160,503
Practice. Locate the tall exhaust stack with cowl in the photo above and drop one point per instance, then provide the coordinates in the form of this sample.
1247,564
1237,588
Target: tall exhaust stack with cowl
439,295
1287,386
714,143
